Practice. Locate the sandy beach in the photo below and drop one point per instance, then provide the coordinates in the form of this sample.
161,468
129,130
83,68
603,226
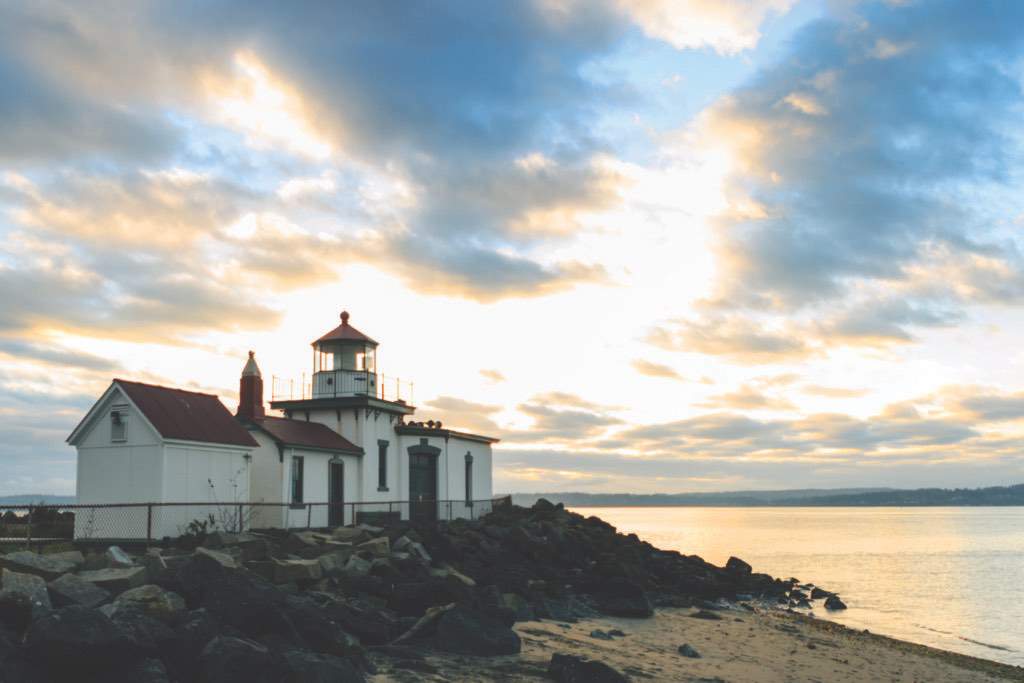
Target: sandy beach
764,646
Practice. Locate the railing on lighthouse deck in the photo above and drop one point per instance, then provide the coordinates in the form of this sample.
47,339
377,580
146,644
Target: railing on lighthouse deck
335,383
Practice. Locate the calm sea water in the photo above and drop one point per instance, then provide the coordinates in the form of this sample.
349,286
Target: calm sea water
952,578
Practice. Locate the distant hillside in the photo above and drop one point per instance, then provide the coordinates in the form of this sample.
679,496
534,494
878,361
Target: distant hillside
32,498
995,495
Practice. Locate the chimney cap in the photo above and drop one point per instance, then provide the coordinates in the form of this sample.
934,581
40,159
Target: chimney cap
251,369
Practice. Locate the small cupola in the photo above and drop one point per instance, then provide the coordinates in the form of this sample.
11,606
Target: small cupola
344,362
250,390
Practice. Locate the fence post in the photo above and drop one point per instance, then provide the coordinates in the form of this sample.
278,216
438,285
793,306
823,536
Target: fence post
450,518
309,515
149,523
240,513
28,531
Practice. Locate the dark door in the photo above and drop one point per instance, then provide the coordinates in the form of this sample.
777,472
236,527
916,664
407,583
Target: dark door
422,487
336,495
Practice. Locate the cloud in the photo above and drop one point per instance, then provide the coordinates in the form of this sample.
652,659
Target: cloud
650,369
832,392
493,376
728,27
742,339
747,398
835,146
457,413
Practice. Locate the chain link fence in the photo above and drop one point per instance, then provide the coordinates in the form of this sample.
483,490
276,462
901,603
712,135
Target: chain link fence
25,525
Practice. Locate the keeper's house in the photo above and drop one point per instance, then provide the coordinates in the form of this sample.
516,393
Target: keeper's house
339,451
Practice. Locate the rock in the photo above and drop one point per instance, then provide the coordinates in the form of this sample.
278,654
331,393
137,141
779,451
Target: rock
425,625
15,611
377,547
819,593
447,571
706,614
357,566
249,546
296,570
519,605
70,589
296,542
370,529
797,595
834,603
617,632
738,567
117,558
222,558
401,544
152,637
349,534
77,642
623,598
572,669
308,667
116,581
193,634
687,651
154,562
234,660
28,585
411,599
45,567
600,635
151,600
333,563
372,625
470,632
147,671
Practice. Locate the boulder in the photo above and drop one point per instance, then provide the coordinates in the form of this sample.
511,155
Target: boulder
234,660
687,650
819,593
46,567
447,571
412,599
296,570
333,563
296,542
77,642
738,567
706,614
15,612
357,566
377,547
572,669
371,624
195,631
146,671
71,589
349,534
28,585
308,667
151,600
248,546
152,637
600,635
519,605
834,603
117,558
466,631
222,558
620,597
116,581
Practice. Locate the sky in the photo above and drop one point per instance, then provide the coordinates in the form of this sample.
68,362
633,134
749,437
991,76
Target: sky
652,245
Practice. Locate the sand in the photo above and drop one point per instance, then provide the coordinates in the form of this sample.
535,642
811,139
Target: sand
768,645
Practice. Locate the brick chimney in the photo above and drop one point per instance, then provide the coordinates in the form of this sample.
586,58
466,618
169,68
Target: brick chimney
250,390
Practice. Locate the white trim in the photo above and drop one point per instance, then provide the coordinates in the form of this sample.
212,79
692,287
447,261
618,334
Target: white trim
94,413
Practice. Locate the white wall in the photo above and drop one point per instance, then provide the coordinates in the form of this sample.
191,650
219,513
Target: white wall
108,472
316,476
197,473
267,475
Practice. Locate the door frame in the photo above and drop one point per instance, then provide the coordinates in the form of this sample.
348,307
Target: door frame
423,510
335,508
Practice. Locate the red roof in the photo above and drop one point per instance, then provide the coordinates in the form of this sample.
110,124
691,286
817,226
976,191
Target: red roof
345,332
186,415
302,433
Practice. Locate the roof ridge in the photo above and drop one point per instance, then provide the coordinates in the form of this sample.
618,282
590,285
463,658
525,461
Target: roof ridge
165,387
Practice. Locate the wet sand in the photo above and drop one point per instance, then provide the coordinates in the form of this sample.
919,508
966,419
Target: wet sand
767,645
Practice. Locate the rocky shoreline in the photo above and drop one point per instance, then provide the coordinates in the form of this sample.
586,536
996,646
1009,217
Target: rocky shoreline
338,605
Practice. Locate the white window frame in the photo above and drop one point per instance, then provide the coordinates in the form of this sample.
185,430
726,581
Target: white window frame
119,417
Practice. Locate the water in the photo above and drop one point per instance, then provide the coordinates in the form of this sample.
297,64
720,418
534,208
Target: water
951,578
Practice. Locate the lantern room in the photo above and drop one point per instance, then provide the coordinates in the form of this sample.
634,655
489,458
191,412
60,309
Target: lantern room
344,363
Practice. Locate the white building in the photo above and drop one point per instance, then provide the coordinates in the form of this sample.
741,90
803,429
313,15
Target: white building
338,453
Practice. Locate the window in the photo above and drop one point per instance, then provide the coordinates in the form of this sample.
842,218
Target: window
382,465
297,480
469,479
119,423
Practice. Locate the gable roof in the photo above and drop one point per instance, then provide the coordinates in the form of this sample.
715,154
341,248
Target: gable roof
180,414
308,434
345,332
